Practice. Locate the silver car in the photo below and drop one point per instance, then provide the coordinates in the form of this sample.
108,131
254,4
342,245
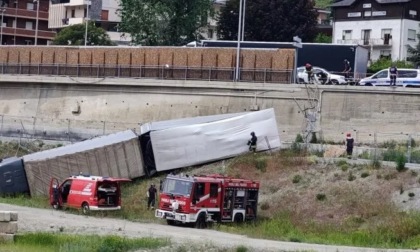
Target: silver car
321,76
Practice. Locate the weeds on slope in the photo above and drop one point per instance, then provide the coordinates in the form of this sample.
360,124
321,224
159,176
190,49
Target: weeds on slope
46,242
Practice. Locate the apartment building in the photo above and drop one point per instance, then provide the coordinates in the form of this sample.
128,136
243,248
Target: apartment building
104,12
24,22
385,27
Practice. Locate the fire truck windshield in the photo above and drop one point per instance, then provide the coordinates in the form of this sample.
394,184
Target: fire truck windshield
179,187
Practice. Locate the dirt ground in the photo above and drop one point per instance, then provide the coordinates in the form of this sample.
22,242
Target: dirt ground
45,220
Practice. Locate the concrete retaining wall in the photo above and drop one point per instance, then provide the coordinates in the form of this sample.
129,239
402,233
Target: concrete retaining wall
8,225
69,109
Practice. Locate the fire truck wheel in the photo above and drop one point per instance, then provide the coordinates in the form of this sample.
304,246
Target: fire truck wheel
85,208
238,218
201,221
170,222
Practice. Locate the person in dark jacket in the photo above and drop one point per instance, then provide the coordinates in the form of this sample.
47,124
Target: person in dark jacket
252,143
308,70
349,145
151,196
347,69
393,71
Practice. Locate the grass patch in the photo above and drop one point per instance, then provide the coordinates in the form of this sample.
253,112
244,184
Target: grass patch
46,242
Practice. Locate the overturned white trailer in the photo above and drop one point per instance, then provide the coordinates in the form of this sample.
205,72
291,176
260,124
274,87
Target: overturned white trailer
114,155
185,142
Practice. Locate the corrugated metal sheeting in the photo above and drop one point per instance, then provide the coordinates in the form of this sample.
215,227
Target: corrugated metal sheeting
115,155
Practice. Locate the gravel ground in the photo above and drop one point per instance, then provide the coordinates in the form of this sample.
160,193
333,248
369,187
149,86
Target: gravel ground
46,220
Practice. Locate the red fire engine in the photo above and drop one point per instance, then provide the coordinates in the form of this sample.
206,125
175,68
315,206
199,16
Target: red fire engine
202,199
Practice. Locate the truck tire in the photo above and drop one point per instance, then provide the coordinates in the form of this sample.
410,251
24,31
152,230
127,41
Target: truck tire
170,222
201,221
239,218
85,208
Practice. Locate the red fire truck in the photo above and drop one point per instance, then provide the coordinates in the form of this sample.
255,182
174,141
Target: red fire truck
200,200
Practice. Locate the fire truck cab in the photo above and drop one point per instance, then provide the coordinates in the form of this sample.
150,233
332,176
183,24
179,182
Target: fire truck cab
87,193
199,200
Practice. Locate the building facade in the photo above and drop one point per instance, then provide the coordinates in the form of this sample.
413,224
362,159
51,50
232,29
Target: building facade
104,12
23,22
385,27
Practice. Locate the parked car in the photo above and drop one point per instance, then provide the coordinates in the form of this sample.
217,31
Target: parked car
405,77
322,76
87,193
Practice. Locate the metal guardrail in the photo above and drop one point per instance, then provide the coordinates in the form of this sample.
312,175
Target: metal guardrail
151,72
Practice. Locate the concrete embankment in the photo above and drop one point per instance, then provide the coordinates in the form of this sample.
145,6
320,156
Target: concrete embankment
67,108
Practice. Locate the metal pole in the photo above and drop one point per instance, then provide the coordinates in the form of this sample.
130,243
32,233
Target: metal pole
296,66
243,22
87,21
37,21
238,49
1,32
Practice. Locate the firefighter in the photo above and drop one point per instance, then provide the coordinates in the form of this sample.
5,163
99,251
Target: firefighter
252,143
309,72
349,145
151,196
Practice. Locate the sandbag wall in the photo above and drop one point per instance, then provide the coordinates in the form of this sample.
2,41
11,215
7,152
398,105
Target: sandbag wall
170,62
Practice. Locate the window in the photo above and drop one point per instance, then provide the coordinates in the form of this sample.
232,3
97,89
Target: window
367,14
385,32
29,25
73,13
30,6
199,190
412,13
385,54
213,190
210,33
407,73
382,74
346,34
366,36
411,35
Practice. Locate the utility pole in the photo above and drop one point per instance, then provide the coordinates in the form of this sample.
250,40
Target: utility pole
87,21
1,32
37,21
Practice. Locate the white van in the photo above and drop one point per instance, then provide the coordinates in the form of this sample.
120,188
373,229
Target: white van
406,77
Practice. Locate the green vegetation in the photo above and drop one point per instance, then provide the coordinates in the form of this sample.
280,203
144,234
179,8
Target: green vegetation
51,242
384,63
74,35
301,201
322,38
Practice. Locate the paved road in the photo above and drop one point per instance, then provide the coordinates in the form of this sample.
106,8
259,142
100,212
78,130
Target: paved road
34,219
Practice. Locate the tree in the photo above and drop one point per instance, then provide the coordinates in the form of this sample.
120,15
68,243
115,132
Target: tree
75,35
322,38
269,20
414,53
164,22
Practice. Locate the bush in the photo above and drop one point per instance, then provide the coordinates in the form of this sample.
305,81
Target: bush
386,63
400,161
297,179
411,195
415,157
241,249
365,174
342,162
376,163
261,163
321,197
299,138
265,206
351,177
344,167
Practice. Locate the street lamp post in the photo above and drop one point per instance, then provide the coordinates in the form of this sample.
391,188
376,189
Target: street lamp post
243,22
87,21
238,49
37,21
1,32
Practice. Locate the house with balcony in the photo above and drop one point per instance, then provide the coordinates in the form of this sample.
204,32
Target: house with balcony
385,27
104,12
23,22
